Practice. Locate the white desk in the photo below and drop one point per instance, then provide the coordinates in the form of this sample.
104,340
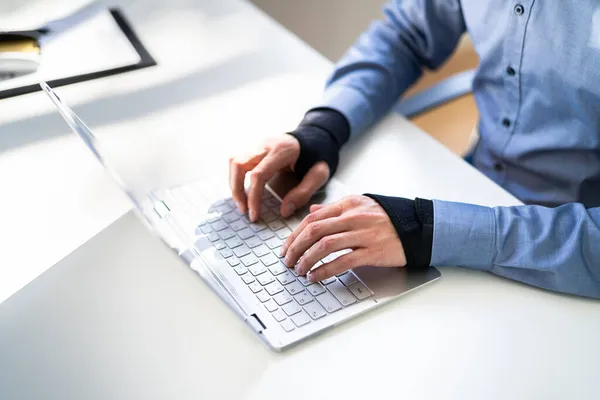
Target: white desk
119,319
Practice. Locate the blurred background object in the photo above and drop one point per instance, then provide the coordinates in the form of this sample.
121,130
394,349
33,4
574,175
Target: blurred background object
331,26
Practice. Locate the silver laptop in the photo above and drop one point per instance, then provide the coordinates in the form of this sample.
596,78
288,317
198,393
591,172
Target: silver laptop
241,260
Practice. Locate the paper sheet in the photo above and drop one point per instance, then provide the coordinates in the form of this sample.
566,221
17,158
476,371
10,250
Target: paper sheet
94,45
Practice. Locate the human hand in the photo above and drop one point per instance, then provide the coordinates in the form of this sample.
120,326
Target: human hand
274,155
355,222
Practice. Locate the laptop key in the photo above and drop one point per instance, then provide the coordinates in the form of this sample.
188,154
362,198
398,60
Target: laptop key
238,226
265,235
341,293
291,308
283,233
360,290
241,251
265,279
206,229
226,234
219,225
224,208
316,289
245,233
257,227
234,242
248,279
263,296
253,242
278,268
348,279
274,243
294,287
279,315
255,287
213,237
219,245
268,216
282,298
261,250
301,319
315,310
226,253
240,270
304,280
287,325
277,252
230,217
329,280
270,305
328,302
286,278
273,288
233,261
303,298
256,269
269,259
249,260
276,225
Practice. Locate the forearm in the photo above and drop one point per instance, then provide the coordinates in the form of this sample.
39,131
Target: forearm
552,248
389,57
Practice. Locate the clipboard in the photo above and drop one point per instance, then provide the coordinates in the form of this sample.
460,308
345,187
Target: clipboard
145,60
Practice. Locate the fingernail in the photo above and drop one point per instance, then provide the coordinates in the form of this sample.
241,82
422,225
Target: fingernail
311,276
298,269
289,209
283,249
252,215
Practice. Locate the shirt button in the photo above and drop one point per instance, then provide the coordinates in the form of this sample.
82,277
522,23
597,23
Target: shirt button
510,71
506,122
519,9
498,167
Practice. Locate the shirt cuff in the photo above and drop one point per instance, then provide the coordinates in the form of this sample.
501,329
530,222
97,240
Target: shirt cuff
413,222
321,135
352,104
464,235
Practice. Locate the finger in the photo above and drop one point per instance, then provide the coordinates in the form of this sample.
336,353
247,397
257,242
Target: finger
238,167
327,245
314,179
354,259
314,232
259,176
330,211
316,207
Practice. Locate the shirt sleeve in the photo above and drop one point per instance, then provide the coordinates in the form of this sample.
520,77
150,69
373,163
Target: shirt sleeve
553,248
389,56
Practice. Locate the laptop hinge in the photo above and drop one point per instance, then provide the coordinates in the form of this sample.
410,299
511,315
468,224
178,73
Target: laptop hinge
161,209
256,323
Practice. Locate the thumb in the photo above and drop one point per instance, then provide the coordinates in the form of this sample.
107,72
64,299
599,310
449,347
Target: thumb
314,179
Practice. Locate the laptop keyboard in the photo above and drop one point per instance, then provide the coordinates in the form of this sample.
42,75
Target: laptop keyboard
253,251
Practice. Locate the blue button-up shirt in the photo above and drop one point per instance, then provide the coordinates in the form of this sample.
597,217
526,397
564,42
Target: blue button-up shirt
537,89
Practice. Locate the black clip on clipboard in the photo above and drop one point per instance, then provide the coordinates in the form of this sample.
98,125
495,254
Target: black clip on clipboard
146,59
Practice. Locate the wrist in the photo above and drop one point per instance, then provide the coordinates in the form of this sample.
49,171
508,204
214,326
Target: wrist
320,136
413,222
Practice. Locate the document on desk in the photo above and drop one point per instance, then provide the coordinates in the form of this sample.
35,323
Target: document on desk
97,44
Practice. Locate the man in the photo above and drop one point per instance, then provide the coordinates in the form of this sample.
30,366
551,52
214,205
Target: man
538,93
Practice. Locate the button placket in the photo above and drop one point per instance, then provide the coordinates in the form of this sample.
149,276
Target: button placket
512,56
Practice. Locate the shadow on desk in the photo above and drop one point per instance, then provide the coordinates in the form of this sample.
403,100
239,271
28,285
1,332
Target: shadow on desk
214,80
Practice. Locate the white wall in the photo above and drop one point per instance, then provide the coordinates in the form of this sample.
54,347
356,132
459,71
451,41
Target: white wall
329,26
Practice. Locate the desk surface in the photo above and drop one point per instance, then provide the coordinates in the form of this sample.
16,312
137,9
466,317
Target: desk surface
119,318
